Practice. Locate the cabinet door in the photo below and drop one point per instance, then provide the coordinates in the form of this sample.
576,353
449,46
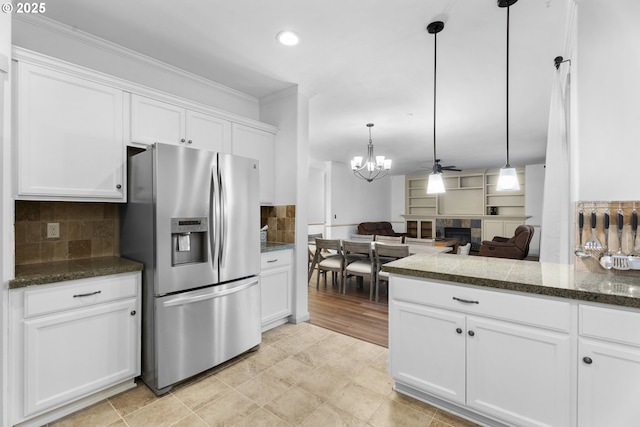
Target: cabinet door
517,373
427,349
72,354
156,121
608,386
69,137
208,133
275,285
260,145
275,295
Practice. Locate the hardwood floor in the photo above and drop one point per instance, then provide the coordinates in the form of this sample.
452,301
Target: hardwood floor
351,313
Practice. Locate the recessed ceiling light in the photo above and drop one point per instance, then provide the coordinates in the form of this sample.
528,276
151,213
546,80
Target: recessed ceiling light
288,38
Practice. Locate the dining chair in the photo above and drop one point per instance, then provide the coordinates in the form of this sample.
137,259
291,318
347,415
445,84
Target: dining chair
359,262
416,241
389,239
327,261
383,254
311,251
362,237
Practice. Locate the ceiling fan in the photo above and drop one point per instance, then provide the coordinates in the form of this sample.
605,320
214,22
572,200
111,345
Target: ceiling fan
439,167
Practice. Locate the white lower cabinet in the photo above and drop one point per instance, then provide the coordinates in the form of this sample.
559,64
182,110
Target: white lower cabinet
72,340
518,373
275,285
482,352
608,367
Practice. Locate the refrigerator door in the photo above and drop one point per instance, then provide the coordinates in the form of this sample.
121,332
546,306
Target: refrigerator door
200,329
240,217
185,190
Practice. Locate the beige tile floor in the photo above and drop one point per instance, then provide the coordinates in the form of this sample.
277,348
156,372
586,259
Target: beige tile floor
303,375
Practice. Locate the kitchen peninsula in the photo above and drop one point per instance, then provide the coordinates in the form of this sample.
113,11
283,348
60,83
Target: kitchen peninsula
509,342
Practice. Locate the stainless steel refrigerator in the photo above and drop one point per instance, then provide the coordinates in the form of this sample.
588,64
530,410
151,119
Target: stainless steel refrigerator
193,219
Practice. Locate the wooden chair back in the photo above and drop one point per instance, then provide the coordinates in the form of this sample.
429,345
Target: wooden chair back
355,247
390,239
416,241
390,251
362,237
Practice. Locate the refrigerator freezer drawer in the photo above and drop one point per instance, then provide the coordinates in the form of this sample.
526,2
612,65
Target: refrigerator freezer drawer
200,329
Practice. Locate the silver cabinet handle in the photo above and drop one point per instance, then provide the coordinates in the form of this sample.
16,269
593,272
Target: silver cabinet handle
86,295
272,260
182,140
467,301
118,186
189,142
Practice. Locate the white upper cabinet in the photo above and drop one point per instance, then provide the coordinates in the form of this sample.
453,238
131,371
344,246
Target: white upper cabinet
156,121
260,145
69,137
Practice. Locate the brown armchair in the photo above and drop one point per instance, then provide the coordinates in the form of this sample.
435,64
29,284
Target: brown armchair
516,247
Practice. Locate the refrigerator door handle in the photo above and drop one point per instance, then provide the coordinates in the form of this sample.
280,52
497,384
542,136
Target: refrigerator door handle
182,300
213,221
223,217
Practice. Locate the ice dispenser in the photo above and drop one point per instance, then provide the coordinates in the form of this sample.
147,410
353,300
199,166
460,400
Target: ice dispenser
188,240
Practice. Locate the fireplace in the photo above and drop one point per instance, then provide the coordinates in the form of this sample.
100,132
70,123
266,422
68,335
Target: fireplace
462,234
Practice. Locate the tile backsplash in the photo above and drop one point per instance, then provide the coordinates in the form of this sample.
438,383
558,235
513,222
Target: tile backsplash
87,230
281,221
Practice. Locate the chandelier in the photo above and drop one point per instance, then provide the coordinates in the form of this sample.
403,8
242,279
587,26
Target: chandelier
373,167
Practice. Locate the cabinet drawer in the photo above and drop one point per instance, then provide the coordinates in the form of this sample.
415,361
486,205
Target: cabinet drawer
496,304
79,293
275,259
613,325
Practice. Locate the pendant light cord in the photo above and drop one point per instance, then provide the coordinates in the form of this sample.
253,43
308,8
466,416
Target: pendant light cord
508,165
435,56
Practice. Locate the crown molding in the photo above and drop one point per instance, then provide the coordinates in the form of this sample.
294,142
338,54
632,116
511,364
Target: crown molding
27,56
288,92
129,54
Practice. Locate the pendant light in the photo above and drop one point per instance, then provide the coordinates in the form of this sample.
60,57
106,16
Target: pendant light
508,179
435,184
374,167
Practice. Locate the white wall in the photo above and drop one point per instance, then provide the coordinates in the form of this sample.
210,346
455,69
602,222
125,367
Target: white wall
289,111
351,200
397,200
534,191
606,73
60,41
316,197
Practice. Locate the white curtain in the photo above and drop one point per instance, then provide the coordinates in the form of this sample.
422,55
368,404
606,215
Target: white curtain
555,240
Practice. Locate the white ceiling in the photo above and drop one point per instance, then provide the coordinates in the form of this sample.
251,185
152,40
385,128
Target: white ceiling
366,61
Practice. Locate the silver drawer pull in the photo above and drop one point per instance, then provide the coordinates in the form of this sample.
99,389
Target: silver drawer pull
272,260
466,301
86,295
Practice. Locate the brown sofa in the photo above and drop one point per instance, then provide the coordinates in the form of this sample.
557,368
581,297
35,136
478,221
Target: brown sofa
379,228
517,247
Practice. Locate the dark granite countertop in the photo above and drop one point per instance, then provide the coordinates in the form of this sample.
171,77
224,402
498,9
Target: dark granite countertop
60,271
275,246
558,280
